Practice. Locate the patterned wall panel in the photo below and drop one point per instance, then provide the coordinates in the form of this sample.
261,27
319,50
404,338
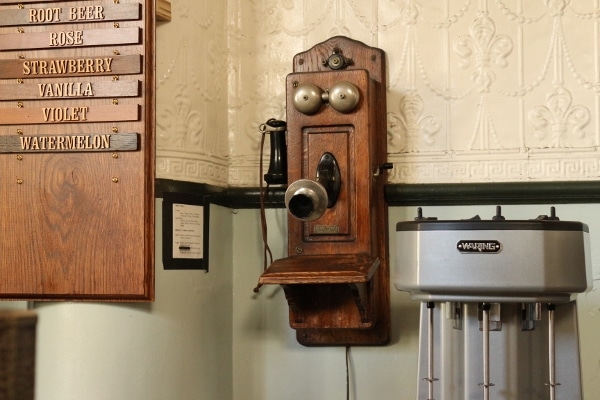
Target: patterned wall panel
192,137
495,91
478,91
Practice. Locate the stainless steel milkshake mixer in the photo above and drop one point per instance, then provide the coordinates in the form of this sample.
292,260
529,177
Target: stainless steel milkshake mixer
498,310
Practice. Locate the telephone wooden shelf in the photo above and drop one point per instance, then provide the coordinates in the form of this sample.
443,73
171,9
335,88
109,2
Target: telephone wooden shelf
321,269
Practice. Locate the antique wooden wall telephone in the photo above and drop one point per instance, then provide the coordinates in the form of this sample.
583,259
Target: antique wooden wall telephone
336,277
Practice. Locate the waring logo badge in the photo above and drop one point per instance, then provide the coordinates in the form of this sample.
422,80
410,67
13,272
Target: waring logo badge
479,246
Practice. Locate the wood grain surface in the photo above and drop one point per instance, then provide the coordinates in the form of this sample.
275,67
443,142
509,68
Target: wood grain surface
77,217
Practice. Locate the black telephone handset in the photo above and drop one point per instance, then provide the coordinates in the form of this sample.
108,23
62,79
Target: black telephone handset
277,173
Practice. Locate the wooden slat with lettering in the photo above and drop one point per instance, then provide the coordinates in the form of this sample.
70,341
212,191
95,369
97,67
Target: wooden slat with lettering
73,14
69,143
69,90
2,2
69,39
70,67
74,114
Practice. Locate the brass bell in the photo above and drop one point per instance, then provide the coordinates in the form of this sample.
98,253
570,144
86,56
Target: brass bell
307,98
344,97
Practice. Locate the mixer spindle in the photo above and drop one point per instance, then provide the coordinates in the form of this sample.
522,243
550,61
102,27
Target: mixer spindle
551,353
485,307
430,378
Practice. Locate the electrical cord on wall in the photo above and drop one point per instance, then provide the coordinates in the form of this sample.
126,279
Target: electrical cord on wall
347,372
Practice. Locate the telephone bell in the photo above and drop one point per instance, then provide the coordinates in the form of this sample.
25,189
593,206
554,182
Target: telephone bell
342,96
308,98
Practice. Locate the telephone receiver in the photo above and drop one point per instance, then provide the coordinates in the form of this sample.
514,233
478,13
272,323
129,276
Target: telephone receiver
277,172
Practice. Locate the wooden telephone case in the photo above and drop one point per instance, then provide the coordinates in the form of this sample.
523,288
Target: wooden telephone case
336,277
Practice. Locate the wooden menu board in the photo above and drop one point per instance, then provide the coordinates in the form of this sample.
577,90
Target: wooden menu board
77,150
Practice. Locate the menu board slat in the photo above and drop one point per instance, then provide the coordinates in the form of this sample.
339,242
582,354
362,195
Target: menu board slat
72,114
70,90
68,143
66,15
3,2
69,38
74,66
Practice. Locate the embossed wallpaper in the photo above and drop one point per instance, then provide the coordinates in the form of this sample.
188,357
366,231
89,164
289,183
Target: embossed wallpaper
478,91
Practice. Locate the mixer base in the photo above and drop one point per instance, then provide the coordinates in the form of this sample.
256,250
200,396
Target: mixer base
519,362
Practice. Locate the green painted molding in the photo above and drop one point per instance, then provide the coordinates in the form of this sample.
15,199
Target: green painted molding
577,192
236,198
493,193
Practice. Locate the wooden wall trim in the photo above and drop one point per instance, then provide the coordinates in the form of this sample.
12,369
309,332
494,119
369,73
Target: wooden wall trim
163,10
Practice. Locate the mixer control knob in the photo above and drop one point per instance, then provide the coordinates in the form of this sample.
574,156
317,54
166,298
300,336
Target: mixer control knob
552,216
420,216
498,216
